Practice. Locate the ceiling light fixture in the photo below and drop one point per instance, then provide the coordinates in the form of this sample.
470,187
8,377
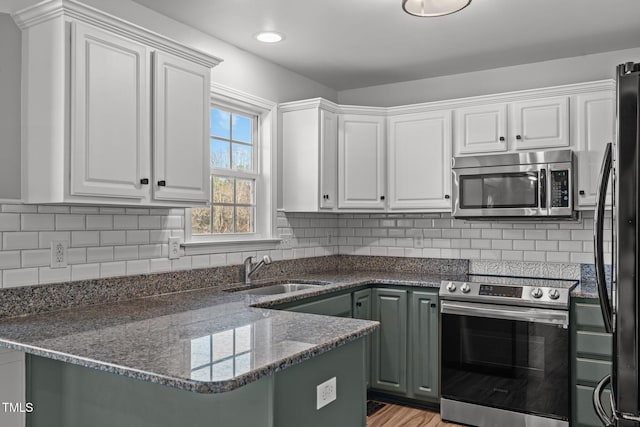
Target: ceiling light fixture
269,37
428,8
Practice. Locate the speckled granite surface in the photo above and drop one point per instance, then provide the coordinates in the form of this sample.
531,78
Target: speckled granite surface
189,340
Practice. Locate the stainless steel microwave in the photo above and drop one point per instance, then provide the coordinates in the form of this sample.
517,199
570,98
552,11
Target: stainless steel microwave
519,185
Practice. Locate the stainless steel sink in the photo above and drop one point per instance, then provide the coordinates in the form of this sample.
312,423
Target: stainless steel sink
282,288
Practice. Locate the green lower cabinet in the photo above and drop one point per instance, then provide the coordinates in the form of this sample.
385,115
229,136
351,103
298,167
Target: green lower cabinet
361,309
591,350
423,345
389,344
339,305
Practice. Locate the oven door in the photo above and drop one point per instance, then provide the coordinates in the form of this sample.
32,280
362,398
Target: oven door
506,357
511,191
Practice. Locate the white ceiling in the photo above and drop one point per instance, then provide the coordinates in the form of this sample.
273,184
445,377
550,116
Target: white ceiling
348,44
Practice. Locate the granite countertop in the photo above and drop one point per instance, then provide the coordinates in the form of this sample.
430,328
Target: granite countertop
585,289
208,340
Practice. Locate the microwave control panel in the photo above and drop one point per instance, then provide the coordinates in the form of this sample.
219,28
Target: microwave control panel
559,188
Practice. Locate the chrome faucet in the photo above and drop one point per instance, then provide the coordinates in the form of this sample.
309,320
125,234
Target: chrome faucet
248,271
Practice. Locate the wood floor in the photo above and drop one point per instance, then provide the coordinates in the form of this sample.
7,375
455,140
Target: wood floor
403,416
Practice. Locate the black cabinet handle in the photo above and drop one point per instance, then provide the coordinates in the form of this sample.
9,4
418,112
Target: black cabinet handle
581,192
518,137
502,138
144,181
327,197
433,305
358,304
162,183
446,196
381,197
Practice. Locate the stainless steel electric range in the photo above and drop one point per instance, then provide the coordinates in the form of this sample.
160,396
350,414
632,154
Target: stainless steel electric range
505,351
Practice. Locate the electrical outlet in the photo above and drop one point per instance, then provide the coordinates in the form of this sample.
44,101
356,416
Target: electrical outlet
326,393
174,247
59,253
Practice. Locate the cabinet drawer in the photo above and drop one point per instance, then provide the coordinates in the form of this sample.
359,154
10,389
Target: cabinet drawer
591,371
588,316
596,343
585,415
334,306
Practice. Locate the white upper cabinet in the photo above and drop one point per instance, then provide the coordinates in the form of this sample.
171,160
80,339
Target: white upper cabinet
540,123
89,96
594,127
419,161
110,132
361,159
481,129
180,129
309,156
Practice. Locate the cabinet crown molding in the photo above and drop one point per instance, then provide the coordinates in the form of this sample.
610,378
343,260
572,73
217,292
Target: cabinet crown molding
77,11
519,95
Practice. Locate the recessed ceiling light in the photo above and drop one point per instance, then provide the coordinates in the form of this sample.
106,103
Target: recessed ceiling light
426,8
269,37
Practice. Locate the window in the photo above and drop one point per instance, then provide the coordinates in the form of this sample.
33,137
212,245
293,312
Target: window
240,215
233,139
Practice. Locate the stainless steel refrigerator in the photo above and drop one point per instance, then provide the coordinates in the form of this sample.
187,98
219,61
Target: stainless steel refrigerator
621,303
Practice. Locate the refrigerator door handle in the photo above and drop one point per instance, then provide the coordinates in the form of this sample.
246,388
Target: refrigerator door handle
597,403
598,240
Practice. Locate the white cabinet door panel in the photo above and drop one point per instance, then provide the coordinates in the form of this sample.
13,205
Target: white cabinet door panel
540,123
361,162
181,129
481,129
420,161
329,159
594,128
110,121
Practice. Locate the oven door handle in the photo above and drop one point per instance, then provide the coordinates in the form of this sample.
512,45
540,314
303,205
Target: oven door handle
521,314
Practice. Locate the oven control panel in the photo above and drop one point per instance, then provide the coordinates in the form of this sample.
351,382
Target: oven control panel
505,294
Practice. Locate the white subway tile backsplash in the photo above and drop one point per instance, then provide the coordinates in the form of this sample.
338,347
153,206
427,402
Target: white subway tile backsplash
70,222
547,245
76,255
524,245
9,259
534,256
491,234
18,208
19,240
85,209
54,275
85,238
137,237
535,234
159,265
112,269
581,235
36,258
99,222
37,222
46,237
171,221
19,277
138,267
183,263
53,209
125,222
150,251
85,271
109,238
100,254
151,222
123,253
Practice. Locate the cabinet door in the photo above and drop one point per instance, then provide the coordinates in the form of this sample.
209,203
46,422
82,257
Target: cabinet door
419,165
540,123
109,151
362,310
424,344
181,129
361,162
594,128
339,306
12,387
328,159
481,129
389,356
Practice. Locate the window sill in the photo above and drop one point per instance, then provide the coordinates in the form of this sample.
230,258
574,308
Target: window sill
222,246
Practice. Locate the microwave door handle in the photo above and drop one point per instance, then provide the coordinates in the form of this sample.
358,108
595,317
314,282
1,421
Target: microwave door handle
543,188
598,240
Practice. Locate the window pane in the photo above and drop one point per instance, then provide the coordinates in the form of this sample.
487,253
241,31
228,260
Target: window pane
241,128
244,219
244,191
242,157
200,220
222,189
219,154
223,219
222,370
243,339
222,344
219,123
243,363
200,351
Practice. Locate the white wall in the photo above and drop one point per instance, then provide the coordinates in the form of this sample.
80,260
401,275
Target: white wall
528,76
9,108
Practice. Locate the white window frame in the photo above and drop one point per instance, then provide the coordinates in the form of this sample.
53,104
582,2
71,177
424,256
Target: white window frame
264,236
